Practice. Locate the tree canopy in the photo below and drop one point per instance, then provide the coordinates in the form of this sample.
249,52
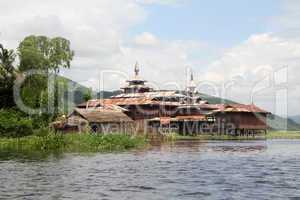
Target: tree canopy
7,76
34,53
49,55
43,53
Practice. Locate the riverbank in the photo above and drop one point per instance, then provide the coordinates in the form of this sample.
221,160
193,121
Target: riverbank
270,135
72,143
216,137
283,135
88,143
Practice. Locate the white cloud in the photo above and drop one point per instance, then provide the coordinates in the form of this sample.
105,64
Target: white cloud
98,34
244,66
256,59
146,39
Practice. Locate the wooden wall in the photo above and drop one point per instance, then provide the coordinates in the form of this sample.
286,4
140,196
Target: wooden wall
244,120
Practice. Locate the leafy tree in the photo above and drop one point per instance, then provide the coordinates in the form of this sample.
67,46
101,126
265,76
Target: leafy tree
43,53
48,55
88,95
7,77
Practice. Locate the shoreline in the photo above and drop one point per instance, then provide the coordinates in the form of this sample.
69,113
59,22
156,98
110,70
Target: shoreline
271,135
88,143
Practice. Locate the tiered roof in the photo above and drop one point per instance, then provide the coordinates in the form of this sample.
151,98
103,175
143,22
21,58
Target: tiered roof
136,84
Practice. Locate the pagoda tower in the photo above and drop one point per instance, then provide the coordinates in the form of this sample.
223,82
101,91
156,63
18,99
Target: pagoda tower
136,84
191,88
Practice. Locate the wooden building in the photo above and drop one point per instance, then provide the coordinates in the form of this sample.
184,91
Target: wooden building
242,119
100,120
170,111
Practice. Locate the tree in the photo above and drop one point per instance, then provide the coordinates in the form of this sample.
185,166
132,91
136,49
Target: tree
7,77
48,55
88,95
43,53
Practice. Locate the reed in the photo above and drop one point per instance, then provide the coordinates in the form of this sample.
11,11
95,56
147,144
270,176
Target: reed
72,143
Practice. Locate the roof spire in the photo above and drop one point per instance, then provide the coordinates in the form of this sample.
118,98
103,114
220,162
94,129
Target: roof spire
136,69
191,84
192,75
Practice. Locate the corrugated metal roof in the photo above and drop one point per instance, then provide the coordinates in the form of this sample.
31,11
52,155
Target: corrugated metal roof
135,86
149,95
192,118
102,115
104,104
126,101
238,108
180,118
148,99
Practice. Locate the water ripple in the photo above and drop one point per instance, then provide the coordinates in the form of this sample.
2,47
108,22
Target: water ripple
184,170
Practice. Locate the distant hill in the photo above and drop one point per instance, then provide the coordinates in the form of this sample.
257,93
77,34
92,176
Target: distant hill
108,94
215,100
296,118
274,122
72,95
279,123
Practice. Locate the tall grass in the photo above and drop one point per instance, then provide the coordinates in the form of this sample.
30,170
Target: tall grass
283,135
71,143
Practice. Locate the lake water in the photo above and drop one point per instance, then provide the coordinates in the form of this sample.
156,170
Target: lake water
183,170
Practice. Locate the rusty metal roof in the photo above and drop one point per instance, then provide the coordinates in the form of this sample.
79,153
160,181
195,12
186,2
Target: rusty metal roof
137,99
127,101
148,98
102,115
103,103
238,108
192,118
163,120
147,95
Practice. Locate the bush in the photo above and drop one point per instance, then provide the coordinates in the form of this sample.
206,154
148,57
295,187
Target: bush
14,124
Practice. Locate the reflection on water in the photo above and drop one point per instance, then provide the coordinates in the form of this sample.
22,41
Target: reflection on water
180,170
201,146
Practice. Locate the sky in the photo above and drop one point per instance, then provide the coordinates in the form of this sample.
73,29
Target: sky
247,51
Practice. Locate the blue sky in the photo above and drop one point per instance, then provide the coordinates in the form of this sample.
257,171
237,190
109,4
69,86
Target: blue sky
218,22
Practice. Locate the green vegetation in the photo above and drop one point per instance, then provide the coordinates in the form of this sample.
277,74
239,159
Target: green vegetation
283,135
88,95
41,52
14,124
7,77
47,56
71,143
279,123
